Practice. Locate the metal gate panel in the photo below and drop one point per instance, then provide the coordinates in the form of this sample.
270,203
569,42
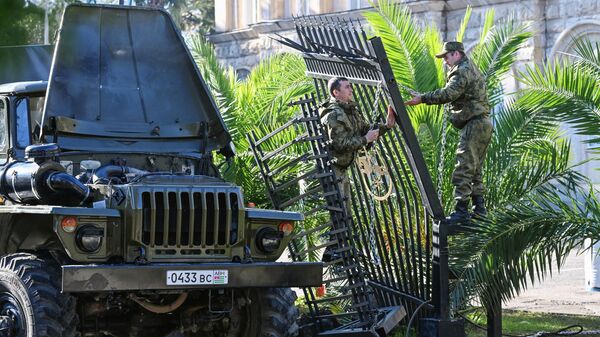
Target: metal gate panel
390,262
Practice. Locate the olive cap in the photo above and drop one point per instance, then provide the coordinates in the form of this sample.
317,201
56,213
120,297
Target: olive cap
450,46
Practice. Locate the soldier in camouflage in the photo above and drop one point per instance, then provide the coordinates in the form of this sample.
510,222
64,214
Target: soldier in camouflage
348,132
465,90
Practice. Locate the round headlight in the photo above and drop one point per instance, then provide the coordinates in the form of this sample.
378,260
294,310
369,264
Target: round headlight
89,238
268,240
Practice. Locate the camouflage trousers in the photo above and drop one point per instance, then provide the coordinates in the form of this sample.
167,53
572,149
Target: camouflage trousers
470,157
345,189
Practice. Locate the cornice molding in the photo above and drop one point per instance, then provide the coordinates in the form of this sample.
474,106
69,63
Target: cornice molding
453,5
273,26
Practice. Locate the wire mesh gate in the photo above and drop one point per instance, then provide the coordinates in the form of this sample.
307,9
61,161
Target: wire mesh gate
389,250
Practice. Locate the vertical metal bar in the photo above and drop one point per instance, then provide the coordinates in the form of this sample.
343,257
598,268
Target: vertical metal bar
166,218
203,222
227,218
326,33
179,219
298,25
192,218
428,244
408,201
322,94
312,36
401,191
362,43
216,218
391,224
343,43
364,101
335,41
152,219
411,204
382,272
362,218
352,37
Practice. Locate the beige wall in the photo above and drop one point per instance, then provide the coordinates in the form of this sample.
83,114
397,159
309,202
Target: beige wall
232,15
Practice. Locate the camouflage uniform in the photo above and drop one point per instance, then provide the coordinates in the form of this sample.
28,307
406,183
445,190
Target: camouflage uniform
346,128
465,90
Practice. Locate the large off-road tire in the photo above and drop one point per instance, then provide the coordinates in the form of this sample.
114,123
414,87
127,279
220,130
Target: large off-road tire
29,293
270,313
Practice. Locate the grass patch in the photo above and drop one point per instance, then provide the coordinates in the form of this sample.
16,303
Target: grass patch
528,323
524,323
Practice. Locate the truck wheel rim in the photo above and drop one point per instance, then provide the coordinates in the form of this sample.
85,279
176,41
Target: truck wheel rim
11,308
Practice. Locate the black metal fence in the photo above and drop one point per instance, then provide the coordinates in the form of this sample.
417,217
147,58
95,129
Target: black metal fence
387,262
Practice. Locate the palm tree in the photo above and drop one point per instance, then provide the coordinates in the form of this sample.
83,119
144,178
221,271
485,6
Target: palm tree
540,208
257,104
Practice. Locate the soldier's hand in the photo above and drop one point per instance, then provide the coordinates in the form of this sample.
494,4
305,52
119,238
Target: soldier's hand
414,101
391,117
372,135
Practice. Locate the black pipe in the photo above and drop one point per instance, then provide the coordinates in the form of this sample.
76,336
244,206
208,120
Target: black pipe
65,183
104,173
41,183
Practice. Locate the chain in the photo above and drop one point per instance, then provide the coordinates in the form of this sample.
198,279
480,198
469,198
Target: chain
372,244
376,102
442,153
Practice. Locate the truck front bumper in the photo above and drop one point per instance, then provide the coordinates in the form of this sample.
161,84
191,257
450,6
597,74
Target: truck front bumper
97,278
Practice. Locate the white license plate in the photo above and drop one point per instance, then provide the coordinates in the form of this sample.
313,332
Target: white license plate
196,277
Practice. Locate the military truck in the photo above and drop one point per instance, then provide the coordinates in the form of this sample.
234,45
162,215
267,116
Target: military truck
113,218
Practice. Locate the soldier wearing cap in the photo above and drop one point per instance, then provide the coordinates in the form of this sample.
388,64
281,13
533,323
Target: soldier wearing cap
348,132
465,90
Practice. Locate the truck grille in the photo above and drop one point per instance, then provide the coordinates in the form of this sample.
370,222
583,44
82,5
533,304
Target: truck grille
173,219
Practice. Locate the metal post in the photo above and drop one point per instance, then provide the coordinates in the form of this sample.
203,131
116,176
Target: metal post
494,319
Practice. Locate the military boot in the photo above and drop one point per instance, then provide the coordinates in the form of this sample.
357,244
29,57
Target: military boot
460,214
479,206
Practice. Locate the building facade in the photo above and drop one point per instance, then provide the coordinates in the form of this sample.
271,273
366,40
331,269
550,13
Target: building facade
244,31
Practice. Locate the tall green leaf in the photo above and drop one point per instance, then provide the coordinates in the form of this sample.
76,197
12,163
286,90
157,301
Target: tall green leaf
463,24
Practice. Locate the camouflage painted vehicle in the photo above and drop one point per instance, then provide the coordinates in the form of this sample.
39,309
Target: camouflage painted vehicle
113,218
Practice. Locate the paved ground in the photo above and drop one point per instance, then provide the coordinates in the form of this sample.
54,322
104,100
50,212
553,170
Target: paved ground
563,293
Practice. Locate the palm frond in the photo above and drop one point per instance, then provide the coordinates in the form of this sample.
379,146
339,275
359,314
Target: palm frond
488,23
588,55
515,124
463,24
263,96
403,41
497,53
220,79
510,177
433,42
566,92
523,241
